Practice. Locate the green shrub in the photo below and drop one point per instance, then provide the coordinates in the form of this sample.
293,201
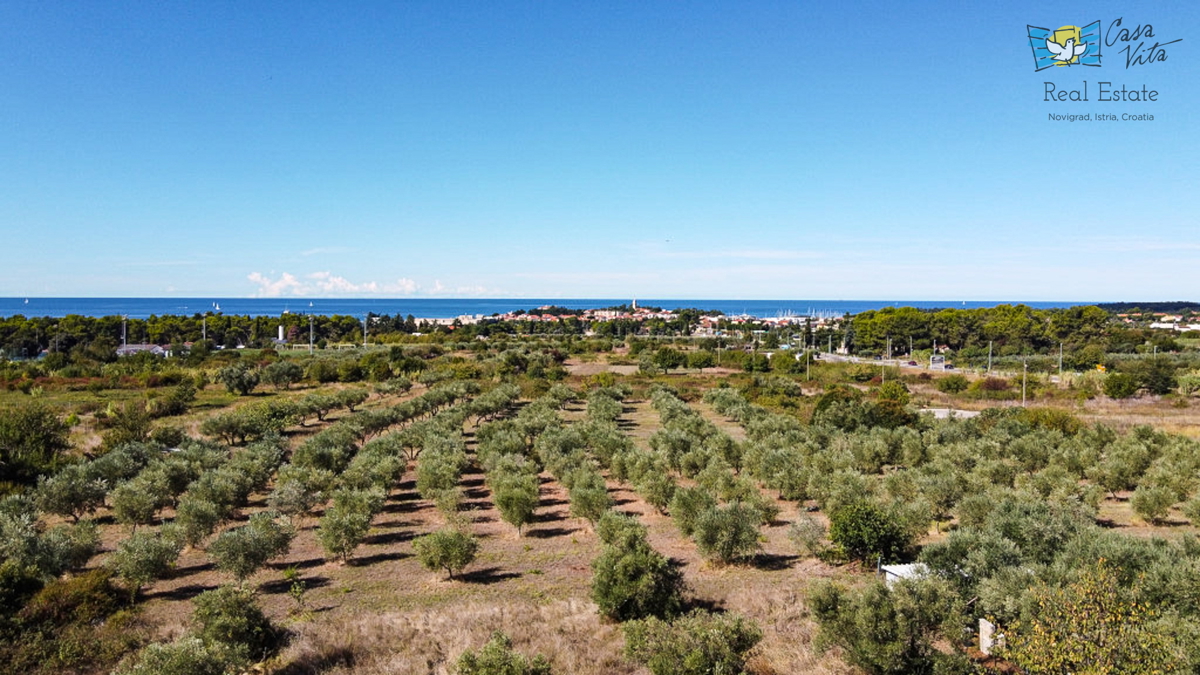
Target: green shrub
616,528
438,472
688,504
698,643
657,488
446,550
589,496
18,582
72,492
299,492
1120,385
66,547
76,625
630,579
893,391
230,616
1091,626
32,439
516,497
1152,503
282,374
238,379
242,551
1191,509
890,630
728,533
198,517
145,556
136,502
497,657
87,598
185,656
342,528
865,531
952,384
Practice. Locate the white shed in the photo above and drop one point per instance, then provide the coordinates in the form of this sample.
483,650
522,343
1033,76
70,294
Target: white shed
893,573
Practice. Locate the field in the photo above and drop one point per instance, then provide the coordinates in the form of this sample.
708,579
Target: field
383,612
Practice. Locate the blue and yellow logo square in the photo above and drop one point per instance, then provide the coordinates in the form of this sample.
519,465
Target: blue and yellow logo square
1065,46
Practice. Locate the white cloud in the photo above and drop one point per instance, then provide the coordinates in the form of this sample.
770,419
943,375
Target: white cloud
284,285
326,283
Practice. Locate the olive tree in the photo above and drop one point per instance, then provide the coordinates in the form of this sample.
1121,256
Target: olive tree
728,533
448,550
630,579
238,379
242,551
144,557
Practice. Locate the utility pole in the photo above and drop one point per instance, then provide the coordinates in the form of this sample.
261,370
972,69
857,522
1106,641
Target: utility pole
1024,373
365,329
910,346
204,328
124,319
807,366
1060,350
310,334
989,357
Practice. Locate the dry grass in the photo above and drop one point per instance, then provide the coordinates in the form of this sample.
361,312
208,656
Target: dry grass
568,632
1161,413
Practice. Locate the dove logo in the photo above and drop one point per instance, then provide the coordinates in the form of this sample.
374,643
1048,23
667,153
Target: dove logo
1066,46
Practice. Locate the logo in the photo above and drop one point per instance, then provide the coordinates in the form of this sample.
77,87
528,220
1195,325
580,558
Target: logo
1066,46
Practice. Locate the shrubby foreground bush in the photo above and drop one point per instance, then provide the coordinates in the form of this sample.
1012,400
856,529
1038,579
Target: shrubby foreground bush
891,630
697,643
497,657
630,579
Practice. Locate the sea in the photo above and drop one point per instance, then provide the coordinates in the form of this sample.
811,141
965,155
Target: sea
448,308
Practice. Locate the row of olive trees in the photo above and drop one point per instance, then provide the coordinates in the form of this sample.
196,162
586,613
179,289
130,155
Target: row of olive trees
507,452
361,489
442,460
635,584
1023,487
439,448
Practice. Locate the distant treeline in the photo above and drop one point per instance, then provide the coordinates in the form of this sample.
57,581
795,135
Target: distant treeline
26,337
1128,307
22,337
1007,329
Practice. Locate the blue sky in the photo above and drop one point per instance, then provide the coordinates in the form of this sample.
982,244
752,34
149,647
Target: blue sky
604,149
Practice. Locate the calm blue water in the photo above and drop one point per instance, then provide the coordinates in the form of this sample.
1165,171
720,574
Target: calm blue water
442,308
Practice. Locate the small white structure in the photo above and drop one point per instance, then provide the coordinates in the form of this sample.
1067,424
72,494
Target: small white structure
989,640
130,350
893,573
